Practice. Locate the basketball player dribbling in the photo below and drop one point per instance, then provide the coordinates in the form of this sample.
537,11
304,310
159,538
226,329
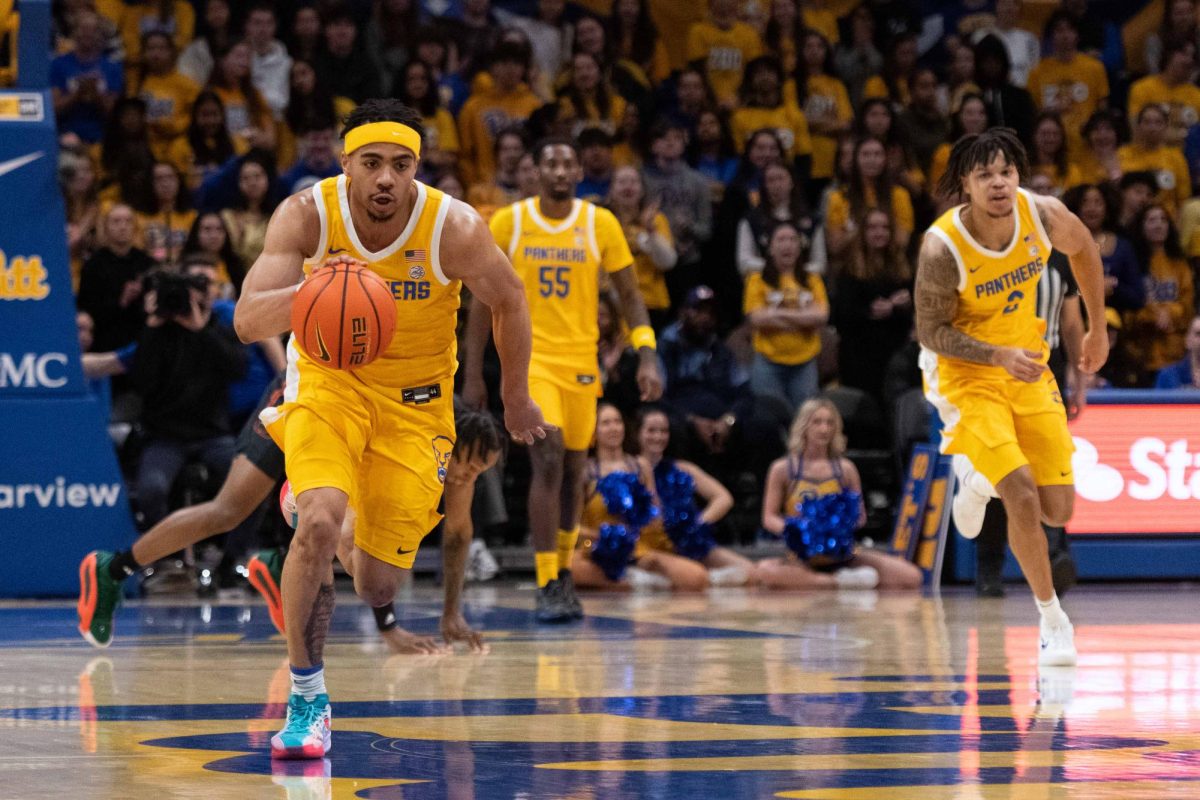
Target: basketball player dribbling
984,359
377,439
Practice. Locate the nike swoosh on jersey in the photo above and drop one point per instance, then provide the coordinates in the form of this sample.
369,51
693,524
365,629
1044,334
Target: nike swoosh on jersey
333,251
400,551
20,161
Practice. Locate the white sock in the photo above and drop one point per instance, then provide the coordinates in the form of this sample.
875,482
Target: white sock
308,682
1051,611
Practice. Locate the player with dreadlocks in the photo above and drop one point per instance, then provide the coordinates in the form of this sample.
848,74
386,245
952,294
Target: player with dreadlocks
984,359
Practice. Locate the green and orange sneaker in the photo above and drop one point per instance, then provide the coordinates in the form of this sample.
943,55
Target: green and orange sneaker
266,573
99,596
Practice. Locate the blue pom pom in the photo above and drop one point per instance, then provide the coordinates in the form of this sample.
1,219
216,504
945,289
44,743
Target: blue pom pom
681,519
822,531
613,549
626,498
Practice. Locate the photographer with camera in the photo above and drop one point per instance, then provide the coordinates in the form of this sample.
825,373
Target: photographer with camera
185,362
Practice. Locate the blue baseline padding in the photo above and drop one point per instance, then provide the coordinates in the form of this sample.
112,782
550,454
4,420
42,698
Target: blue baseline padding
61,492
1106,558
1117,397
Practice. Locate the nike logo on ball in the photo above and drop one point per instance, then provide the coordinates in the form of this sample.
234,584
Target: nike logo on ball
324,355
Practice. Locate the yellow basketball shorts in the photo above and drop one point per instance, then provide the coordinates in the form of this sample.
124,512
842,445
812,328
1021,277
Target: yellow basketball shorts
1004,424
389,457
567,398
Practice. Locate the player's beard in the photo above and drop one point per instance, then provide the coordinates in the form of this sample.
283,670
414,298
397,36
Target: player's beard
560,195
378,218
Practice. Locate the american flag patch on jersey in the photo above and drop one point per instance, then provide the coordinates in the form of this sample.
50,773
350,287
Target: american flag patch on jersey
414,256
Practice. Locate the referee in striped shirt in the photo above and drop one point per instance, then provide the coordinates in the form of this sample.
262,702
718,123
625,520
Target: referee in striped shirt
1058,304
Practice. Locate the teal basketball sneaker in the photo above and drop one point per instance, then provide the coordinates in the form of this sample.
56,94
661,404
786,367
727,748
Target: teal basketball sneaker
307,731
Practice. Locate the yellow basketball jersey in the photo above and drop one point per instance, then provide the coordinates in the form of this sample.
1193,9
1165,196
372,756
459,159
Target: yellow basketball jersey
423,348
997,291
559,261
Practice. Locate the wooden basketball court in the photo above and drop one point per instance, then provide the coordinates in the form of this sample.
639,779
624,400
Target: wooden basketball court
737,694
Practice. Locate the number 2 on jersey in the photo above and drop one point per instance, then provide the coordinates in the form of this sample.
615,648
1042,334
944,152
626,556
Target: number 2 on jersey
554,281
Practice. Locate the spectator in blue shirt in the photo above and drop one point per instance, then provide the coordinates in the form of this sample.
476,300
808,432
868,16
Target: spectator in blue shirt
318,160
1183,374
596,160
84,83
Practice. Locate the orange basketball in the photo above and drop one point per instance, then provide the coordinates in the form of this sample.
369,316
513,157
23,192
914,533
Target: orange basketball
343,316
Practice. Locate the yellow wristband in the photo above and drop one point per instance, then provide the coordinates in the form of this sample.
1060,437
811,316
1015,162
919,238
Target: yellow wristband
643,336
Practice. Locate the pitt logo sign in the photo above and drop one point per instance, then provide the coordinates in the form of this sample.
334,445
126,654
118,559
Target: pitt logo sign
24,278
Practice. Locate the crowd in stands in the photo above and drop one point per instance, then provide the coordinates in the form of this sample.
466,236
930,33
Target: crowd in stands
772,164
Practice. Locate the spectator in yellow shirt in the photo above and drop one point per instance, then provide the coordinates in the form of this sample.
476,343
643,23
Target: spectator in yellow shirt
1148,152
1067,81
971,119
1172,89
1049,156
721,47
786,308
784,35
649,236
870,186
825,103
588,101
166,216
416,88
899,63
503,188
167,94
176,18
636,40
1154,335
207,144
247,116
509,101
763,107
1103,134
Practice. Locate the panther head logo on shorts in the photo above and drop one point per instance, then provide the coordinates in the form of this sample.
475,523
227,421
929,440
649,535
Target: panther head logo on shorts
443,448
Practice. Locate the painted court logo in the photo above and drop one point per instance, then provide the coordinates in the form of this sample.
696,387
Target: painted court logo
59,494
443,448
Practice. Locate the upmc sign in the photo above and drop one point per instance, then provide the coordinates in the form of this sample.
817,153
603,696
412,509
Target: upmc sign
1137,469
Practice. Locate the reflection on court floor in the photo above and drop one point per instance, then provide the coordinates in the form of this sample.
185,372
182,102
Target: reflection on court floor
733,695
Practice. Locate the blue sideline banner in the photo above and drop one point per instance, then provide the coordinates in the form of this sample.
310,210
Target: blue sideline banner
910,519
61,492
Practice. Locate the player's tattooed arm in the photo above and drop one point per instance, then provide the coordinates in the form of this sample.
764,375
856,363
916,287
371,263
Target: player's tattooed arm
936,299
317,625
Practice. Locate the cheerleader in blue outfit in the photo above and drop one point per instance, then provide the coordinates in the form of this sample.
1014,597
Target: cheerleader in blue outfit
813,500
620,506
683,528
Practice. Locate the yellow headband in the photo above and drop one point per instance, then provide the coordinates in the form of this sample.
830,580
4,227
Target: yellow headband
384,133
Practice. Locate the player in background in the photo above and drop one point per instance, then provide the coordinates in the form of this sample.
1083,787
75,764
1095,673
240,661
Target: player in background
558,246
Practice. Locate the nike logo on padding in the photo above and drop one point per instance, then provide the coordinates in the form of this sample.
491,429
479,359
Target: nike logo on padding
20,161
321,345
400,551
